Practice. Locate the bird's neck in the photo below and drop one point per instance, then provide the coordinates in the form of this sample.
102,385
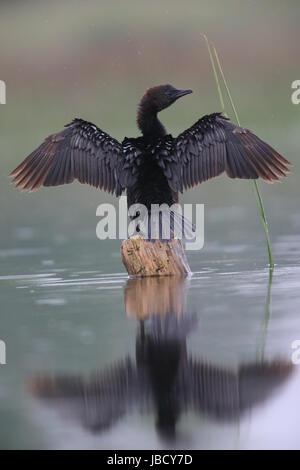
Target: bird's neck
148,122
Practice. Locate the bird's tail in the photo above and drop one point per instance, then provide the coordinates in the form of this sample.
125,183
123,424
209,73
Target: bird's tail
165,223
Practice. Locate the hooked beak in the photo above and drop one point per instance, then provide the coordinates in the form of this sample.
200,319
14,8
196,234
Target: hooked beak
180,93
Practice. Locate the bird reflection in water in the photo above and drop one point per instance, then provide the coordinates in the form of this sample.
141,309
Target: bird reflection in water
163,378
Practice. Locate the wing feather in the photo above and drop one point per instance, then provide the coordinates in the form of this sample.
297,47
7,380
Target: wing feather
214,145
81,151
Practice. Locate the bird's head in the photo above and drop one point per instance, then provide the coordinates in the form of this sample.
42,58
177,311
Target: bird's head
162,96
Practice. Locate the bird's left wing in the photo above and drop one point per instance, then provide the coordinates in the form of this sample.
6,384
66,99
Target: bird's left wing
214,145
97,401
81,151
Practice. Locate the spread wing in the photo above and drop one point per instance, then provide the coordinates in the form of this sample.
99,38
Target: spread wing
129,166
226,394
96,402
214,145
81,151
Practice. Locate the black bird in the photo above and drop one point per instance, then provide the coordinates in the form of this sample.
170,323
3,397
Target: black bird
152,169
163,380
162,377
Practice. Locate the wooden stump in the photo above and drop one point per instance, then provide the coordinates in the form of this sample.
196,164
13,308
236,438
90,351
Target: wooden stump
144,258
148,296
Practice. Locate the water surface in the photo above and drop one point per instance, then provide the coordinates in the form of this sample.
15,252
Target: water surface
97,360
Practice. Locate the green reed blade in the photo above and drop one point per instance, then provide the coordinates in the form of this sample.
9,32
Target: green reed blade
255,186
215,74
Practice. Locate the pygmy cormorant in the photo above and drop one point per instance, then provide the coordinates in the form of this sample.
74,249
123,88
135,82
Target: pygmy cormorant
153,168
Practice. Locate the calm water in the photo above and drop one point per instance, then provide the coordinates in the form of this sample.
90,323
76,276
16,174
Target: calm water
95,360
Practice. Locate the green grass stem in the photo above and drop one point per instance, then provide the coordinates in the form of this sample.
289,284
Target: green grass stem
215,57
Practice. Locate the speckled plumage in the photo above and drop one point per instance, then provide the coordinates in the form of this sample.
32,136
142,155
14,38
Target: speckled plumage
155,167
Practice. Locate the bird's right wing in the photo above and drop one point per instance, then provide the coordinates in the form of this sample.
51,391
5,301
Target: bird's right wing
214,145
81,151
226,394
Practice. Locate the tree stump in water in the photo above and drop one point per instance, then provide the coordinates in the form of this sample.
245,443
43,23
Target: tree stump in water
144,258
160,295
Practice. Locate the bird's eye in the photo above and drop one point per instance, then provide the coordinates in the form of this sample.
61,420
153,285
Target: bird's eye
169,92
